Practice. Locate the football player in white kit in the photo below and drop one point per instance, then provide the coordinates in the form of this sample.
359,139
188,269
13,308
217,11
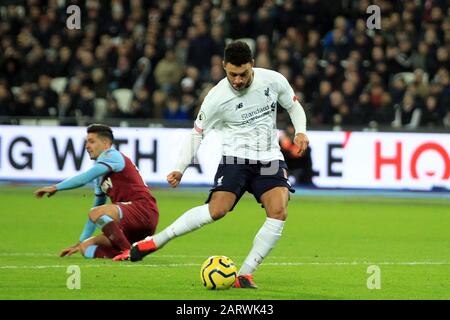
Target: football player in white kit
242,108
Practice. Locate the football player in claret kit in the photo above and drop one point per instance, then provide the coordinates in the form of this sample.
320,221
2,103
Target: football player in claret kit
132,214
242,109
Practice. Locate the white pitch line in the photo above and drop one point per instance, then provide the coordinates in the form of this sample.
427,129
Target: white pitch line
26,254
55,254
399,263
177,265
119,264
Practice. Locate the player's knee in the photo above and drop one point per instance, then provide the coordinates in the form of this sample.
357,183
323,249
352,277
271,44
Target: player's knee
94,214
218,210
279,213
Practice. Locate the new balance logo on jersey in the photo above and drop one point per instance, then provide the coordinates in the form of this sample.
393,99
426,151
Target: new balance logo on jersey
266,92
239,106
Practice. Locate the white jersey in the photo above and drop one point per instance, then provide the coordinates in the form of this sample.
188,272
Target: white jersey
246,120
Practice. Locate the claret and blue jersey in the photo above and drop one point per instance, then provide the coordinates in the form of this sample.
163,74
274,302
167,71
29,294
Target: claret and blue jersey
114,175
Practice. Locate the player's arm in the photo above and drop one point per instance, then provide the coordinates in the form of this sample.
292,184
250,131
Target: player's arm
77,181
298,118
188,150
289,101
89,227
206,119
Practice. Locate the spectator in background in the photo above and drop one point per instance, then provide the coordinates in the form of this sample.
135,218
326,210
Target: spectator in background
443,89
87,65
142,74
118,42
168,73
385,112
44,90
442,58
187,85
312,74
65,106
349,92
407,114
201,48
100,83
22,106
188,104
333,74
288,15
86,104
193,73
113,110
140,105
264,22
242,25
263,54
421,83
447,118
218,39
362,109
5,101
39,107
397,90
321,104
419,58
216,74
431,116
121,74
313,44
11,63
173,110
336,102
158,103
337,40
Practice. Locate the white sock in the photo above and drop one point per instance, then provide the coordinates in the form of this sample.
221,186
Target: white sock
188,221
266,239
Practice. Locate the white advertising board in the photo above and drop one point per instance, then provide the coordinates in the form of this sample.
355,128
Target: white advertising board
413,161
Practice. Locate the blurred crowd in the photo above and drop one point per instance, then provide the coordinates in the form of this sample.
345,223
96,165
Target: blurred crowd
168,54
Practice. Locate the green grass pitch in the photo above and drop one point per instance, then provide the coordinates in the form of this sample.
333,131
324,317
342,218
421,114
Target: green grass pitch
327,246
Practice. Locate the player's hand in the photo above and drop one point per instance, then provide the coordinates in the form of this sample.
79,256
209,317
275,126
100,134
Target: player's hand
39,193
301,141
174,178
70,251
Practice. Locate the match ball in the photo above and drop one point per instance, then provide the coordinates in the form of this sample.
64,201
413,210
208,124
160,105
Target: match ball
218,273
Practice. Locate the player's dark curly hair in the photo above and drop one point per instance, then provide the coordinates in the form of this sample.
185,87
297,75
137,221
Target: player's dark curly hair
102,131
237,53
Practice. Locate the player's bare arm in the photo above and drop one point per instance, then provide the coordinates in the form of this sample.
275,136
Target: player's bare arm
50,191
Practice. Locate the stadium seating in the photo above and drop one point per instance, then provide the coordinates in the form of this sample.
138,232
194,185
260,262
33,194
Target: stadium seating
123,97
100,109
58,84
